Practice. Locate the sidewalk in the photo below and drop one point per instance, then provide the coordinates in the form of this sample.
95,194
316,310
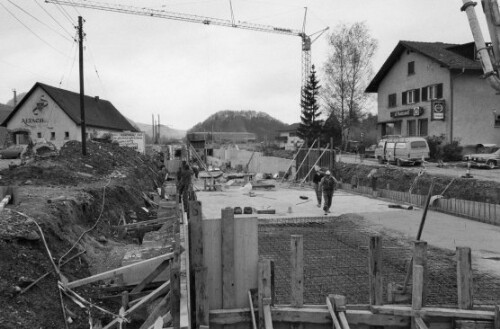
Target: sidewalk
445,231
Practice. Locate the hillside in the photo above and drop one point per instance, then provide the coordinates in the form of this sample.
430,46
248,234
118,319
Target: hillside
259,123
165,131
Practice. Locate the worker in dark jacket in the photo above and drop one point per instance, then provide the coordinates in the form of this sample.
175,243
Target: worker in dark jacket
327,184
318,175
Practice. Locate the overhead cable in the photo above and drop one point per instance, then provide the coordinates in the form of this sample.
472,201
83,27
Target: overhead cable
54,19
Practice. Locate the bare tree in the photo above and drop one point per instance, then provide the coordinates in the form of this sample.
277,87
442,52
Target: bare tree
347,72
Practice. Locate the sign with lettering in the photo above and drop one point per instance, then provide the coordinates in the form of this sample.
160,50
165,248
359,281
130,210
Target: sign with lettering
413,112
134,140
438,109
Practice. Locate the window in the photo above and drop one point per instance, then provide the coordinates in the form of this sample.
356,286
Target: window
412,127
66,135
400,145
418,145
411,68
52,135
389,145
39,135
423,127
392,100
411,96
432,92
497,119
397,128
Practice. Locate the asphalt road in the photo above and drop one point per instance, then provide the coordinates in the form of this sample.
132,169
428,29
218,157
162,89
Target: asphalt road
451,169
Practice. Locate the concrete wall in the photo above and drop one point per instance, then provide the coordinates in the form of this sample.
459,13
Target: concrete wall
427,73
258,164
473,117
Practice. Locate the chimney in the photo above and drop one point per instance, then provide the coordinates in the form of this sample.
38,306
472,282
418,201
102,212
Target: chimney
96,98
15,97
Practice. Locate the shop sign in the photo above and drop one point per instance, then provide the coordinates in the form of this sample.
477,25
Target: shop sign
413,112
438,109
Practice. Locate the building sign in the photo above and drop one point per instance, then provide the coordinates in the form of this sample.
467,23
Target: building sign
438,107
37,111
413,112
136,141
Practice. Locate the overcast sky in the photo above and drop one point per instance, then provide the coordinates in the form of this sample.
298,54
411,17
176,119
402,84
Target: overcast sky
185,71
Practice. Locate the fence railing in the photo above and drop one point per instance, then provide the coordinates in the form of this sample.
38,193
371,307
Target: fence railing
475,210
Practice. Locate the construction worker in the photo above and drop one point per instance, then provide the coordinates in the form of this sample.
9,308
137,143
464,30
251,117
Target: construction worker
318,175
184,183
327,184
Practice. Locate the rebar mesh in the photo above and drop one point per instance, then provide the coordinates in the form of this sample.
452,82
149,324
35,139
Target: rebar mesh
336,261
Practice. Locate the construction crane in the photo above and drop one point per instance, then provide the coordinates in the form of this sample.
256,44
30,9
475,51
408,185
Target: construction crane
307,40
490,61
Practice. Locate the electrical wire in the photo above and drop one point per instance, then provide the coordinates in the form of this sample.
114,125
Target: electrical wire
33,32
65,14
72,64
54,19
90,229
38,20
95,69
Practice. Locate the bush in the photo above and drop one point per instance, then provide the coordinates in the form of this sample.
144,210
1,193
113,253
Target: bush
434,142
452,151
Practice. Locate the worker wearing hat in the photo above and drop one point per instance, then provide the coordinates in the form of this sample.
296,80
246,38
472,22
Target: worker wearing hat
327,184
318,175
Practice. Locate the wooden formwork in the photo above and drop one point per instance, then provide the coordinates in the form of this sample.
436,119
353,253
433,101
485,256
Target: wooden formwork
224,272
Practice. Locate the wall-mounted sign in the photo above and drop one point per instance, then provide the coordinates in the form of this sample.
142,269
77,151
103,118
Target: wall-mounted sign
413,112
40,105
136,141
438,107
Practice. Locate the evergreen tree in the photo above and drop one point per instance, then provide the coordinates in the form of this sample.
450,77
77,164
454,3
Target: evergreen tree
310,126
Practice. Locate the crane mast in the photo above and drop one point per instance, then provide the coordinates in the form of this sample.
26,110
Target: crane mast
150,12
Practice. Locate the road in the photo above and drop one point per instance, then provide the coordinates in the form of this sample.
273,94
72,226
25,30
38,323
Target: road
456,169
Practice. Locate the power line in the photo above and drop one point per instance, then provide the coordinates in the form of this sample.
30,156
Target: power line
95,69
65,14
41,22
36,35
72,64
55,20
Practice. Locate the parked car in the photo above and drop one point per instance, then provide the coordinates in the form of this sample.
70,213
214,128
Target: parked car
489,157
402,150
370,151
12,152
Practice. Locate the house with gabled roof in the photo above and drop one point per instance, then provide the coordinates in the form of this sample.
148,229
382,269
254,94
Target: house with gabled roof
53,114
436,88
288,138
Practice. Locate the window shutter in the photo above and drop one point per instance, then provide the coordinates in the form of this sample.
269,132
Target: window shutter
424,94
403,95
389,103
417,95
439,91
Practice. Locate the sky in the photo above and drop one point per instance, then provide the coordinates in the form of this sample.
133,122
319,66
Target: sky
184,71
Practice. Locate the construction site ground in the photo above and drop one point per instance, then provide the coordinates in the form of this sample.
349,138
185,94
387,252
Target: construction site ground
336,244
72,196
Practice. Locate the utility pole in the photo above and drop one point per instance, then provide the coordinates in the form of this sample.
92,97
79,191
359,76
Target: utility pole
82,91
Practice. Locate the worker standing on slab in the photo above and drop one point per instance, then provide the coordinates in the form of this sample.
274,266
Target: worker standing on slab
185,183
327,184
318,175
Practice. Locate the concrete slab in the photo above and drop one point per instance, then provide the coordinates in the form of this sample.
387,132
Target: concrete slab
286,201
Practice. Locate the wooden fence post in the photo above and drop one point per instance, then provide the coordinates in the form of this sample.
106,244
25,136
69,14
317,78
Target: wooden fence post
420,258
297,275
202,308
175,295
195,231
417,291
496,321
464,278
228,284
375,270
265,293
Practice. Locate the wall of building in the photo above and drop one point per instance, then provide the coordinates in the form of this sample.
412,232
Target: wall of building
293,141
47,121
427,72
474,105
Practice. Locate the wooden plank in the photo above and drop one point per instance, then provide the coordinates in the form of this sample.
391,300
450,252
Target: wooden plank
264,291
212,246
118,271
164,288
165,319
159,310
252,311
147,280
202,308
496,321
329,303
471,324
175,295
195,232
464,278
268,320
375,270
420,258
297,268
419,323
228,276
418,286
433,311
184,278
246,258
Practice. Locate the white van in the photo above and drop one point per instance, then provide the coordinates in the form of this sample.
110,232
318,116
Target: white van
402,150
